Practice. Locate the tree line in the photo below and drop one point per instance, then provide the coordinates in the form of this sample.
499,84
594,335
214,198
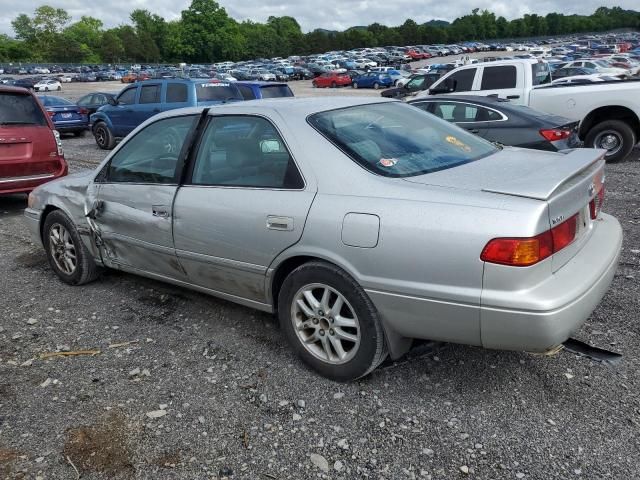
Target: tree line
205,33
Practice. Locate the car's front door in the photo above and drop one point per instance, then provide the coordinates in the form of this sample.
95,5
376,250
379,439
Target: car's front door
121,114
243,203
148,102
133,212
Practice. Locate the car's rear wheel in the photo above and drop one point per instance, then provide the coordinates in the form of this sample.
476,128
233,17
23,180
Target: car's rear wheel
104,137
67,255
59,88
330,322
615,136
314,84
376,85
354,84
46,89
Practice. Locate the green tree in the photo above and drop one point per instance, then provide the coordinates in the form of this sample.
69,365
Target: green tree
111,49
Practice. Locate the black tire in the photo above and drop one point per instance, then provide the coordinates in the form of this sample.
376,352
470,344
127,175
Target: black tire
104,137
314,84
86,269
372,349
334,84
59,88
376,85
617,128
354,84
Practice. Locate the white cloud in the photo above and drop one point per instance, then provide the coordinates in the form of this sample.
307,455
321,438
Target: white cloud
330,14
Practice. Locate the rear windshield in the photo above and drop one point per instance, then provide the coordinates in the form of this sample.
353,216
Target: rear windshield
19,109
541,73
54,101
216,92
276,91
397,140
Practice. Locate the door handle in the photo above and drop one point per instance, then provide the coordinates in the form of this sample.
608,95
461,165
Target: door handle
474,130
512,97
279,223
160,211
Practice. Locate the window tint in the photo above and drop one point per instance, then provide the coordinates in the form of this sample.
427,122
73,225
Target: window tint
128,97
246,92
276,91
216,92
150,94
87,99
244,151
494,78
541,73
464,79
176,93
152,155
397,140
462,112
19,109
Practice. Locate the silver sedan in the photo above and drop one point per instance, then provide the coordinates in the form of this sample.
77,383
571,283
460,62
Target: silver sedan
363,224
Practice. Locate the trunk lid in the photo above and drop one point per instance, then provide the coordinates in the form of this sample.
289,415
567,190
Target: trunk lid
567,182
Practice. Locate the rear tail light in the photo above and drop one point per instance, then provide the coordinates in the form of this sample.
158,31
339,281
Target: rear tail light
554,134
523,252
595,205
51,114
58,140
83,111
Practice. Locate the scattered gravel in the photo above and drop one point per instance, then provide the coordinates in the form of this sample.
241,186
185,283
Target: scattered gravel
188,386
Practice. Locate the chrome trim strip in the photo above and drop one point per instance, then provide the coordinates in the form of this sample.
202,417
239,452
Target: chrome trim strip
26,179
222,262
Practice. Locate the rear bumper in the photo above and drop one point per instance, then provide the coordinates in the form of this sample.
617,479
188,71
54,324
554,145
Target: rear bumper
549,319
27,183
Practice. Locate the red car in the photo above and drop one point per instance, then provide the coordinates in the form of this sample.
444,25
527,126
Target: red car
30,148
332,79
416,55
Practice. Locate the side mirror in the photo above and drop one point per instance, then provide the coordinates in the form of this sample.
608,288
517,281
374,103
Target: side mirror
112,101
448,85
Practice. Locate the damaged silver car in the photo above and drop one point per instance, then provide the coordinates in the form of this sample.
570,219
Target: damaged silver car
363,224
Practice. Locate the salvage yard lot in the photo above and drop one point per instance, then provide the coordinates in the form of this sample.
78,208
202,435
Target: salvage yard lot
186,386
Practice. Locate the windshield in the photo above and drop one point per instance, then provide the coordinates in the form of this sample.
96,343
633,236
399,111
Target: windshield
276,91
541,73
19,109
397,140
216,92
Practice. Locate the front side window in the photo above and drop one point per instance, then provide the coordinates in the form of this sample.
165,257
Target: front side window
463,79
150,94
397,140
151,156
244,151
128,97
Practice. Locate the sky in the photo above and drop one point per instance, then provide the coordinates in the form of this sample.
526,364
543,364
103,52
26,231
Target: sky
329,14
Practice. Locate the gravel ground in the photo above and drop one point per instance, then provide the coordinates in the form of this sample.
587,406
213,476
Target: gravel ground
186,386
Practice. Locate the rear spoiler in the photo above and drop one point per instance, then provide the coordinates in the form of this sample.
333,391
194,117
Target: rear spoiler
541,185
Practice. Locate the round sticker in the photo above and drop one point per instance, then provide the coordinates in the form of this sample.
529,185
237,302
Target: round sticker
388,162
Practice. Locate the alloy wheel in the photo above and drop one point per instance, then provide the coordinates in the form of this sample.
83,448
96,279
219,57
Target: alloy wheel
325,323
62,249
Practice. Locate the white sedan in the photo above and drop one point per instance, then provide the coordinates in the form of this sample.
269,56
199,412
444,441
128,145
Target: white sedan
47,86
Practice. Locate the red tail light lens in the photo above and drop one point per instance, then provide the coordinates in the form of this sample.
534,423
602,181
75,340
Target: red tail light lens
83,111
523,252
51,114
553,134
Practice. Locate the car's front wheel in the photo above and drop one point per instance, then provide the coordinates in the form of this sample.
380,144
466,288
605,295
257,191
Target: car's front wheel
354,84
104,137
67,255
376,85
330,322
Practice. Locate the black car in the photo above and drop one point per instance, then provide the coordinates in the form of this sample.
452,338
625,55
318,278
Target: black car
27,83
501,121
93,101
417,83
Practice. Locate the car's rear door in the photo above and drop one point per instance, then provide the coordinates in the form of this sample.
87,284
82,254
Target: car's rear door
243,203
134,208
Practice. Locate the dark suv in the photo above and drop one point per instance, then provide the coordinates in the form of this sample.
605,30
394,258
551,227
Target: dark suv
140,101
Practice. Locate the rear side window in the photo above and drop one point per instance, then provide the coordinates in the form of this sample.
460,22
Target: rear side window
464,79
150,94
19,109
247,92
216,92
276,91
128,97
541,73
494,78
176,93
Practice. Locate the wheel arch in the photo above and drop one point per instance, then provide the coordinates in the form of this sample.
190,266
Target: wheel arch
281,268
609,112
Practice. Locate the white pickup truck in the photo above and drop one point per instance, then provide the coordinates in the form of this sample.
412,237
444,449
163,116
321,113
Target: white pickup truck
608,112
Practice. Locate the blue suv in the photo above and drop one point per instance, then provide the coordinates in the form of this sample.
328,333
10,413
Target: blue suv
252,90
140,101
